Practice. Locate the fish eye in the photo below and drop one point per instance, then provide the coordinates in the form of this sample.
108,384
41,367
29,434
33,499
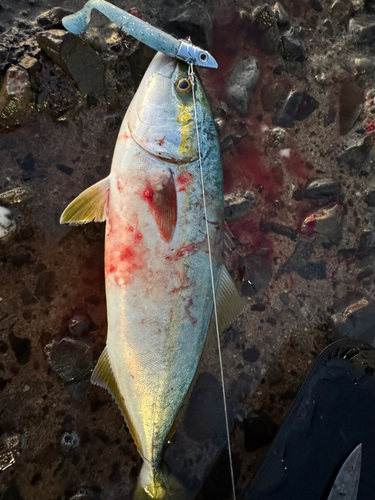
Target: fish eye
183,86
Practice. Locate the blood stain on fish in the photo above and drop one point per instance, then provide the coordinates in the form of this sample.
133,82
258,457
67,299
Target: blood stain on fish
184,181
192,319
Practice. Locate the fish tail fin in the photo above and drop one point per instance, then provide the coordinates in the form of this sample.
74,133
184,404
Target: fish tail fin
157,482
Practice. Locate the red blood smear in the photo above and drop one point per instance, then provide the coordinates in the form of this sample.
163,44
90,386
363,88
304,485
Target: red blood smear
184,181
370,128
162,141
119,187
245,170
148,194
127,254
190,316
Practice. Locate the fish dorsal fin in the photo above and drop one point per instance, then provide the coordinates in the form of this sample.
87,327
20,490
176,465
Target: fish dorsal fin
229,305
162,202
90,205
103,377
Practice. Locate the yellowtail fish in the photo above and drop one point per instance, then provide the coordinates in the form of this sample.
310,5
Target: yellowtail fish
157,271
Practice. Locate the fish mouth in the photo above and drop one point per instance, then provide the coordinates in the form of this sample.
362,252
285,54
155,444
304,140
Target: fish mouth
173,161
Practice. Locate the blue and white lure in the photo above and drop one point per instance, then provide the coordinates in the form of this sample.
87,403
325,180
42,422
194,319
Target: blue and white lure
167,288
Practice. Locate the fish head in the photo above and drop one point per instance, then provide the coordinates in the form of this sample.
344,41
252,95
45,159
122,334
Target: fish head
161,117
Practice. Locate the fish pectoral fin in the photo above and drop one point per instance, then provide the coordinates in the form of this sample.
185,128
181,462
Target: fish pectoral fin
163,207
90,205
103,377
229,305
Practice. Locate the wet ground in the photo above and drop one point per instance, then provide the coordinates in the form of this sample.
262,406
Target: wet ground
294,103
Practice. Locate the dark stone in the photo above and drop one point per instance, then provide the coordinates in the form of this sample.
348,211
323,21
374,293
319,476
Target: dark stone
330,116
34,174
356,321
328,221
69,442
297,106
257,271
284,297
346,254
241,387
370,199
267,25
322,189
271,321
46,285
21,348
14,98
218,484
355,157
80,325
365,274
194,21
65,169
300,262
274,227
351,102
27,297
369,6
316,5
251,354
364,29
12,492
258,307
52,18
82,63
237,205
281,15
71,359
366,245
242,79
341,10
291,46
28,162
259,430
204,418
313,271
115,476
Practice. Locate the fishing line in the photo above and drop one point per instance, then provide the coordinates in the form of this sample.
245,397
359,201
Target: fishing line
191,75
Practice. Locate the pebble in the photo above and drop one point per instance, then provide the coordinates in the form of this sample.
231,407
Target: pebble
278,136
71,359
364,65
351,102
8,224
327,221
356,321
275,227
363,28
324,188
366,246
266,22
341,10
14,98
15,195
300,262
69,442
11,445
291,46
241,81
80,325
52,19
370,198
259,430
257,272
281,15
355,157
297,106
80,61
251,355
237,205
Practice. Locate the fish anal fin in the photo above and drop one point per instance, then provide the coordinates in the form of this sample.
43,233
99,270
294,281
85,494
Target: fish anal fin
90,205
229,305
162,201
103,377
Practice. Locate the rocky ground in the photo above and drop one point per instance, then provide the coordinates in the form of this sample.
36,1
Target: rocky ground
294,102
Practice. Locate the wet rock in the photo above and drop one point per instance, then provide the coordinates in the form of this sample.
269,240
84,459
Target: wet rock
266,22
281,15
80,325
15,195
71,359
274,227
322,189
94,38
69,442
355,157
237,205
300,262
297,106
251,355
356,321
194,21
14,98
363,29
46,285
291,46
351,102
364,65
82,63
31,64
52,19
11,445
8,224
327,221
242,79
366,246
370,198
341,10
257,271
259,430
21,348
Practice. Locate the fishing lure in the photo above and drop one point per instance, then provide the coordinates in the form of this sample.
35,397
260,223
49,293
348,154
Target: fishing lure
159,267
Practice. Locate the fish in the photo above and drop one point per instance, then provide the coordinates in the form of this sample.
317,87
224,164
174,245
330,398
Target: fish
157,269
